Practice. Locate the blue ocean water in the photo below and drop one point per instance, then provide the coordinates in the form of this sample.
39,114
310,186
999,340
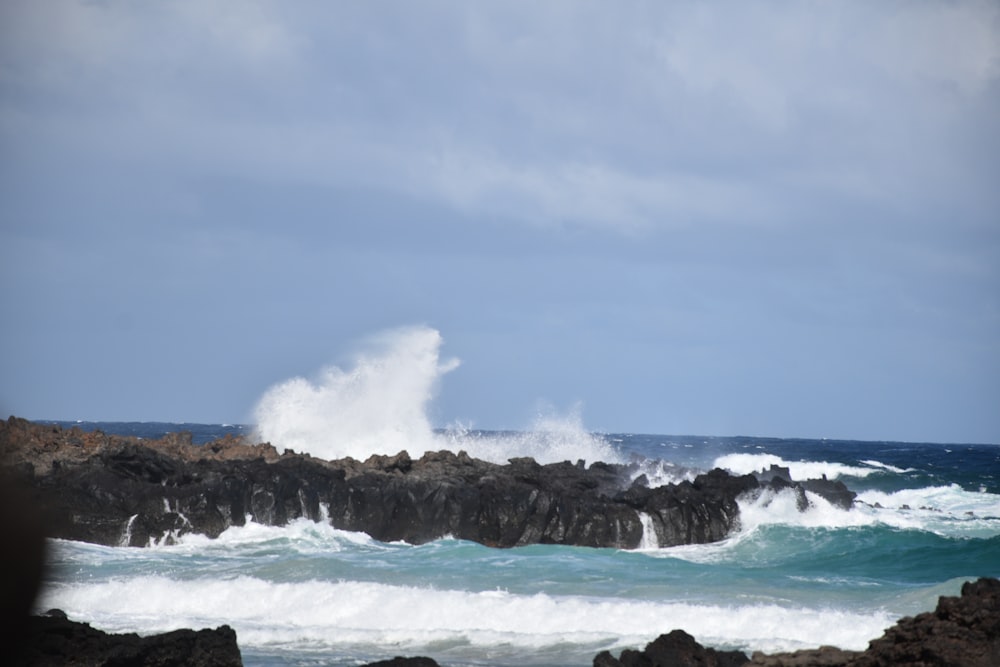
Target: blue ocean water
928,519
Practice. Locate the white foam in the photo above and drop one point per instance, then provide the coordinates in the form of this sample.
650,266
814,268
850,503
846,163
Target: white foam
379,406
331,614
781,508
650,540
551,438
744,464
886,466
939,510
303,535
950,511
660,473
952,499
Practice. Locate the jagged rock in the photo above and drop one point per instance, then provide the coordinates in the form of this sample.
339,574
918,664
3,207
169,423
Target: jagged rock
824,656
403,662
676,649
961,632
54,641
835,492
126,491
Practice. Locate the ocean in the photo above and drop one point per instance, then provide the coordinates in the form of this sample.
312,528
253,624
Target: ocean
928,519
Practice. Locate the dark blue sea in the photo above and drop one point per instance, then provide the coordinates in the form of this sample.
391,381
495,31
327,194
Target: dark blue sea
927,519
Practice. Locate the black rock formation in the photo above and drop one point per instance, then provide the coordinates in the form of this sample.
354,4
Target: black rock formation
676,649
125,491
404,662
961,632
54,641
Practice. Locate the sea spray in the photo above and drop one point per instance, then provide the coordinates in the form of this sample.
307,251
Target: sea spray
332,614
551,438
379,406
742,464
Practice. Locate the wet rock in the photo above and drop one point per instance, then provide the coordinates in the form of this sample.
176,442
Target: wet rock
125,491
676,649
54,641
835,492
404,662
962,631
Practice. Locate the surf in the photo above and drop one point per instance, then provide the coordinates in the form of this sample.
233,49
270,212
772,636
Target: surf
379,403
333,613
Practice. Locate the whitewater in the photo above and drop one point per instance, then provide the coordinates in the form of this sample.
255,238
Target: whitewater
926,520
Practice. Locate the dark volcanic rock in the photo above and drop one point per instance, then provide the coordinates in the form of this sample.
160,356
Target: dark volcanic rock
962,632
404,662
701,511
126,491
54,641
835,492
677,649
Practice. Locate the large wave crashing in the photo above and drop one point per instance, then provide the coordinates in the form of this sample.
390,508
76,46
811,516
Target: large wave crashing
379,406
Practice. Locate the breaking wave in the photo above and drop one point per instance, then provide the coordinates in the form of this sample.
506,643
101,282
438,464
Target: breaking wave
380,406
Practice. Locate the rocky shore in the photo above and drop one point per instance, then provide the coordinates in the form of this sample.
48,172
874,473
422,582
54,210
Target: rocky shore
962,631
52,640
114,490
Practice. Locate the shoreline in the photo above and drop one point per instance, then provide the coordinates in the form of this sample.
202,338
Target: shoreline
173,478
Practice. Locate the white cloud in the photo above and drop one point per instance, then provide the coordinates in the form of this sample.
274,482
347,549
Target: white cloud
629,119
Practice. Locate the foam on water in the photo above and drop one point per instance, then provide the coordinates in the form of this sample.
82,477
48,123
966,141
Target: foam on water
744,464
943,511
551,438
301,535
886,466
324,613
947,511
379,406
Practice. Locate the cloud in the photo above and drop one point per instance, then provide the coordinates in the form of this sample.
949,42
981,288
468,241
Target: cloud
647,117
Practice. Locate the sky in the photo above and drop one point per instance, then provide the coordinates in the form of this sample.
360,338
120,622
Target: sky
774,219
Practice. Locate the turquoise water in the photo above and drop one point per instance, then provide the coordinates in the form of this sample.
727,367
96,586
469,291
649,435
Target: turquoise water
308,594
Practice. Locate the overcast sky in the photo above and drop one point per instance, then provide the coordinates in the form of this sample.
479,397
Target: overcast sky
763,218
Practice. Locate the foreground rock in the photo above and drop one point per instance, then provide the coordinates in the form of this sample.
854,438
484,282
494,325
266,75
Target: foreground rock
54,641
962,632
675,649
125,491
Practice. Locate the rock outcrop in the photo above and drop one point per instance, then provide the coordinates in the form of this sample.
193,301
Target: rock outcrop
399,661
125,491
676,649
53,641
962,631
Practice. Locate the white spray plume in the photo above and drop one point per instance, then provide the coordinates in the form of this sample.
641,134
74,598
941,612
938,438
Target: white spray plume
379,406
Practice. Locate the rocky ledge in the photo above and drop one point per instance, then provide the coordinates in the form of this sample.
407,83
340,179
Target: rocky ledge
117,490
961,632
53,640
